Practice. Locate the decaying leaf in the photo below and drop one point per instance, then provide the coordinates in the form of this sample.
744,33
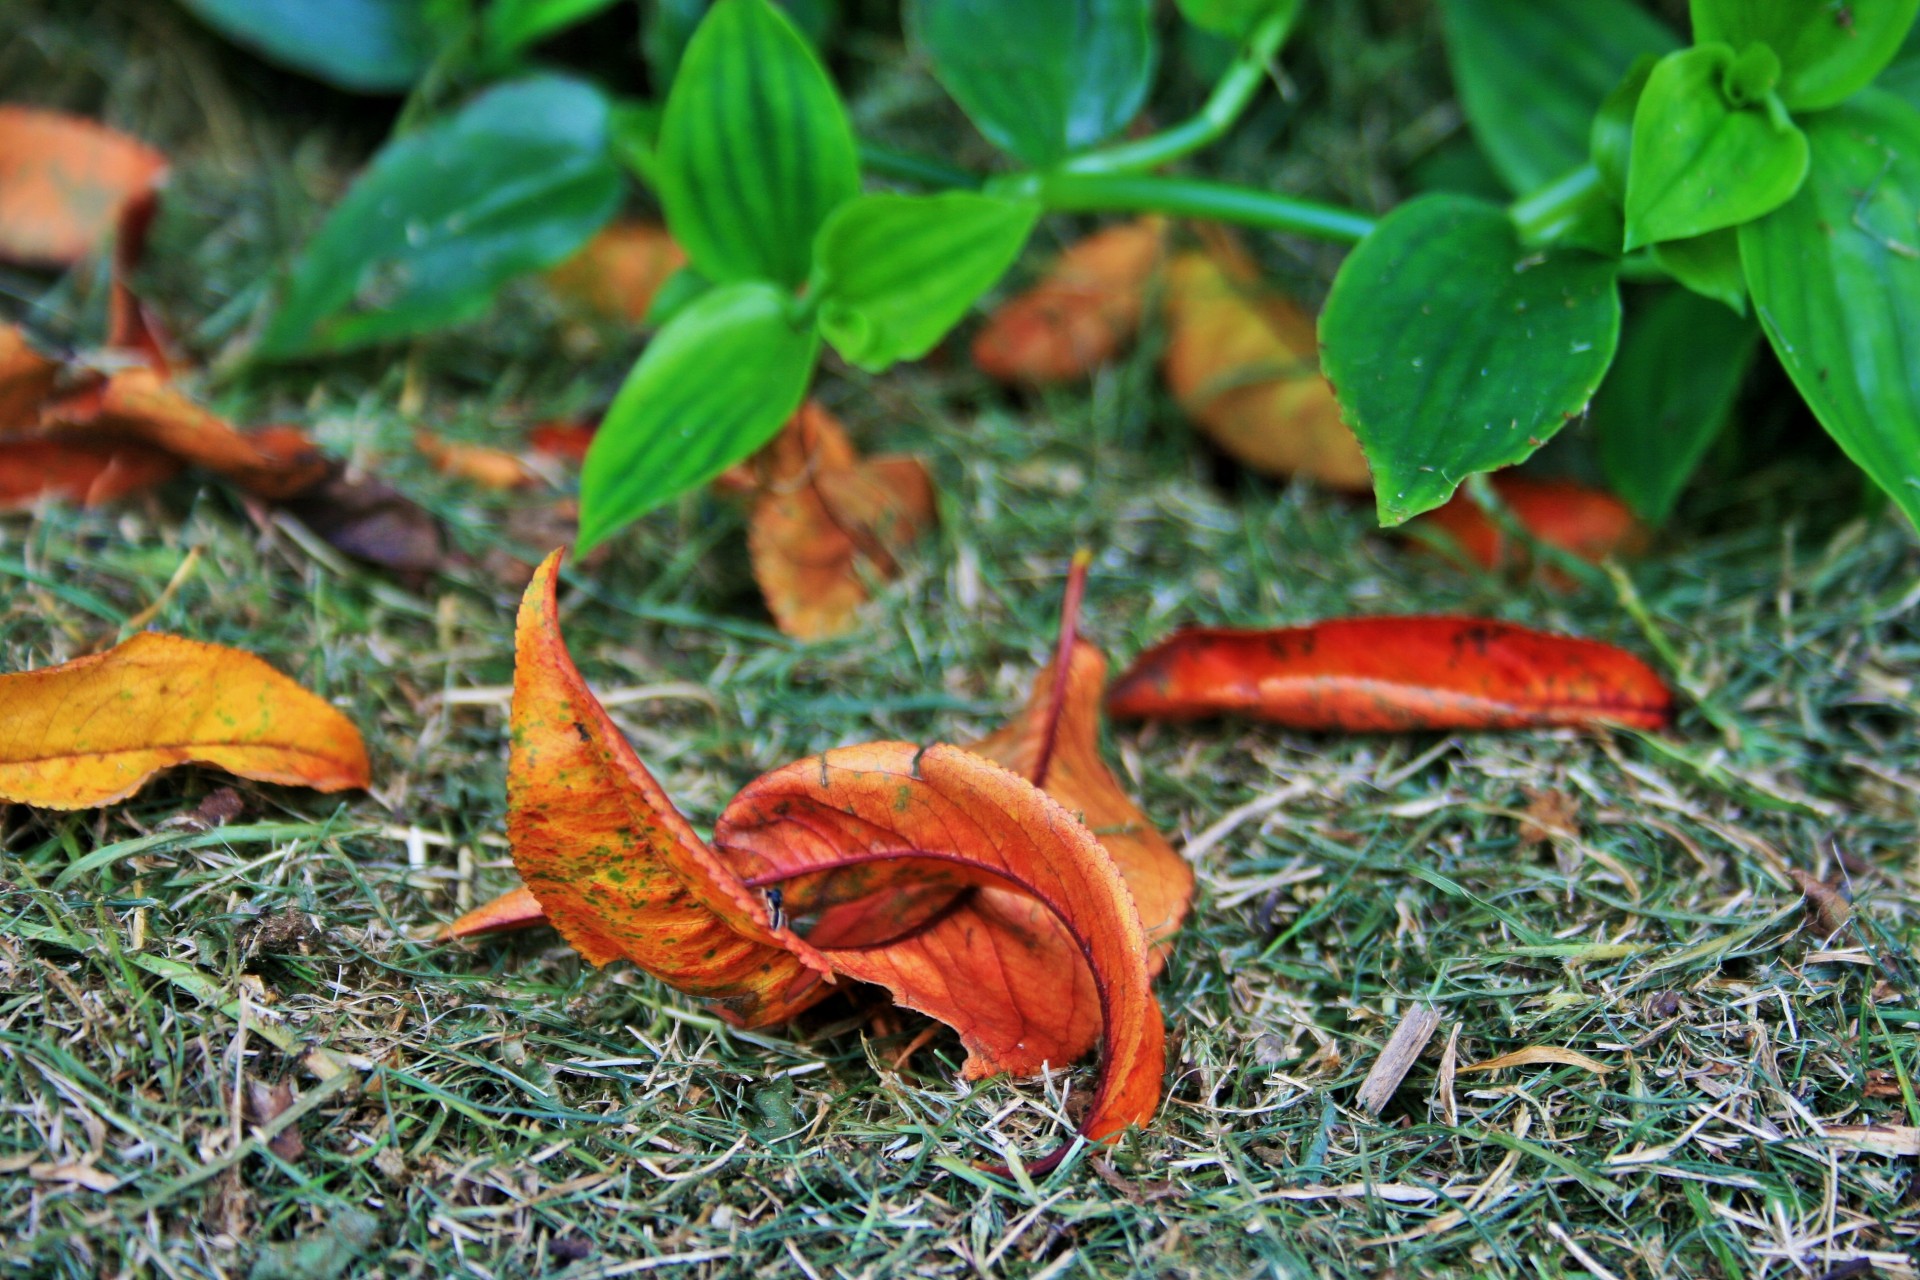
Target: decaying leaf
824,520
1244,364
1539,1055
1393,673
65,183
1550,814
1583,522
26,379
487,467
370,520
618,273
1827,906
90,474
94,730
1085,308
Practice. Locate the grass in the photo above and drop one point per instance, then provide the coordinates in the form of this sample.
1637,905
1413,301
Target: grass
502,1109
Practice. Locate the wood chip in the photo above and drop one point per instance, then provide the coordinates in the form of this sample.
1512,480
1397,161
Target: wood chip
1408,1039
1443,1085
1540,1055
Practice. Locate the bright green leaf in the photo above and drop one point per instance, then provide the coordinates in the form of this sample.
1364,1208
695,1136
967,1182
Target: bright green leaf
1702,161
1237,18
509,26
513,182
1835,277
1041,78
1827,49
1668,395
1453,349
1902,75
755,149
370,46
714,385
1709,265
895,273
1531,74
1610,141
675,296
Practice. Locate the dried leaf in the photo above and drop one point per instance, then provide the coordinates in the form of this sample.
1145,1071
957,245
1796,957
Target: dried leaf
64,183
75,1173
1244,364
26,379
1583,522
1875,1139
569,440
90,474
1539,1055
1549,813
487,467
1085,308
1826,904
370,520
94,730
618,272
266,1102
823,520
514,909
1393,673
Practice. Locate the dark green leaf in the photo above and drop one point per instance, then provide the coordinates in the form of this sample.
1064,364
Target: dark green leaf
370,46
509,26
635,134
1835,277
1902,75
1610,142
1709,265
1041,78
678,293
1827,49
1701,160
1669,394
1455,350
895,273
712,387
755,149
515,181
1531,74
1237,18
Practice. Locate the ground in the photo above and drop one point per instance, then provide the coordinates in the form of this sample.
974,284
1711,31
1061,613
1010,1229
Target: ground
520,1113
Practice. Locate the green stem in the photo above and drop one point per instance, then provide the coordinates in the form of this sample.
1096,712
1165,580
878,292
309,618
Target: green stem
1544,216
1191,198
1230,97
904,166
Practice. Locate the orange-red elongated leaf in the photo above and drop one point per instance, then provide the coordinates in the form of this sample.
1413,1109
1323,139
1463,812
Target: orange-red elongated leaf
64,182
568,440
617,869
514,909
1584,522
864,838
90,474
1084,310
92,731
1391,674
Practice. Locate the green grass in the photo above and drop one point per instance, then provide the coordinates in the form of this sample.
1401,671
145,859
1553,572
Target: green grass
501,1109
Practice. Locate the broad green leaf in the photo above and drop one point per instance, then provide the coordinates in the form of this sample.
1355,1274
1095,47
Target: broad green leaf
1703,160
1453,349
1902,76
509,26
1709,265
1835,277
1531,73
1827,48
1040,78
669,24
1669,394
513,182
634,133
755,149
682,288
713,386
1610,141
369,46
1237,18
895,273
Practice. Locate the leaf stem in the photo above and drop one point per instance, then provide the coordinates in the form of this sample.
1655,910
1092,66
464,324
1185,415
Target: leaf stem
925,171
1545,215
1195,198
1062,661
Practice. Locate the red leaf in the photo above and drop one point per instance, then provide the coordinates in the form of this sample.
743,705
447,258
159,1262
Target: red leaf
1583,522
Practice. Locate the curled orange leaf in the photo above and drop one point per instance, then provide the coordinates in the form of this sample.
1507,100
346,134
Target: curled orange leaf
65,182
620,270
1583,522
94,730
1084,310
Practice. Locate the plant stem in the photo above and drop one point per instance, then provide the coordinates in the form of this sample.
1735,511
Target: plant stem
904,166
1191,198
1544,216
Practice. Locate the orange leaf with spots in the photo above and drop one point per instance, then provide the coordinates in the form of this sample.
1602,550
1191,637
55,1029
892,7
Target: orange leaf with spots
65,182
1363,674
1084,310
94,730
1244,364
620,270
1584,522
824,521
487,467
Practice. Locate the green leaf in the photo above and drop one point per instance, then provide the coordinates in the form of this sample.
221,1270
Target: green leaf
1610,141
679,292
513,182
895,273
1531,74
1709,265
1237,18
713,386
1701,159
1040,78
1902,75
755,149
1827,49
369,46
1668,396
508,26
1453,349
1835,277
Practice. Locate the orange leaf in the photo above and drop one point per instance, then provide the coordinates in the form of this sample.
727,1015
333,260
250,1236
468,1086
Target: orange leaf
1085,308
567,440
1365,674
616,868
90,474
1583,522
94,730
487,467
821,515
1244,364
26,379
64,183
618,272
514,909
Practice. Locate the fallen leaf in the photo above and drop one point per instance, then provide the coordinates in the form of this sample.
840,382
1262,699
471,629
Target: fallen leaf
1393,673
823,519
1549,813
514,909
1827,905
1085,308
1244,364
94,730
1539,1055
65,182
1875,1139
76,1174
266,1102
26,379
569,440
1583,522
133,325
618,272
485,466
372,521
88,474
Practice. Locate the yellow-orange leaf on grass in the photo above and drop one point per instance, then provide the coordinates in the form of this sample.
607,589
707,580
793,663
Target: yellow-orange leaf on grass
618,272
1244,364
824,520
487,467
1084,309
92,731
64,183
